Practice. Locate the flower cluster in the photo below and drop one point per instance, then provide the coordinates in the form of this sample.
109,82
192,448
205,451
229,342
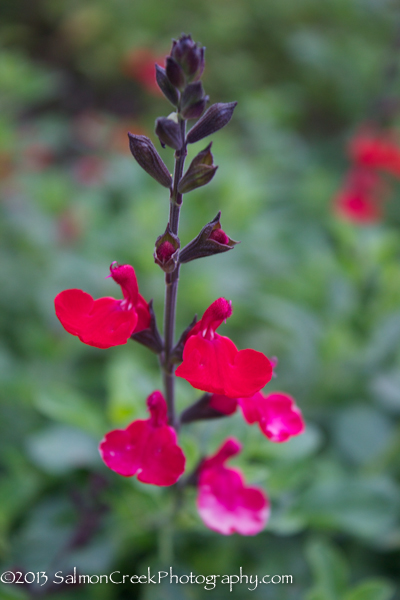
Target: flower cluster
372,152
231,378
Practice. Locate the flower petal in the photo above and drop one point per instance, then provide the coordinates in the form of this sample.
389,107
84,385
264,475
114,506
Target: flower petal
217,366
100,323
122,449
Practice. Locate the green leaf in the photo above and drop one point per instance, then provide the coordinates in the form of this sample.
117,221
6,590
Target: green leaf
373,589
329,569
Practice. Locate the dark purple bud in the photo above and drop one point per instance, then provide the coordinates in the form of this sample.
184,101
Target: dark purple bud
202,410
169,91
167,250
211,240
175,73
150,337
144,152
189,56
199,173
216,117
169,133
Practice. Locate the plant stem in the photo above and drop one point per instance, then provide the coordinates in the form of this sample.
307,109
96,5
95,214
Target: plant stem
171,285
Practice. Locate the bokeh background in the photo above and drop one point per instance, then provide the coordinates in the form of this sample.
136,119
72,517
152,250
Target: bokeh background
320,293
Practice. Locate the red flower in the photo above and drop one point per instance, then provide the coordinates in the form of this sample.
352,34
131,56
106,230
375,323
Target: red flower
277,414
212,362
146,448
362,196
376,149
224,502
139,64
105,322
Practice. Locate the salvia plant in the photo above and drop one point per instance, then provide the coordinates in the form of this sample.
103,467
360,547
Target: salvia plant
229,378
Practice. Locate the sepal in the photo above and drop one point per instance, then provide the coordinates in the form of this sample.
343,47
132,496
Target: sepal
169,91
211,240
175,73
169,132
146,155
177,352
193,101
199,173
200,411
216,117
150,337
167,250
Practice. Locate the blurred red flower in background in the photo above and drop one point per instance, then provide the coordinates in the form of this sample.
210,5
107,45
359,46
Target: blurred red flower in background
373,152
139,65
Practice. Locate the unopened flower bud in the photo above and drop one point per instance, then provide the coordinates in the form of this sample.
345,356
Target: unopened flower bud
219,236
167,250
211,240
189,56
144,152
169,133
169,91
175,73
199,173
216,117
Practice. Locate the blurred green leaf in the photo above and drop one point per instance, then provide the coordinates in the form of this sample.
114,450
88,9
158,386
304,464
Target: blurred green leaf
58,449
330,571
67,406
371,590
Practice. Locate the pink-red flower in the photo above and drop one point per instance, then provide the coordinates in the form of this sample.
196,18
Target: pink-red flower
224,502
211,362
105,322
146,448
276,414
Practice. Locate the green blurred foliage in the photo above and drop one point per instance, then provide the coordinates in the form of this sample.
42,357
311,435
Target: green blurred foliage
320,294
